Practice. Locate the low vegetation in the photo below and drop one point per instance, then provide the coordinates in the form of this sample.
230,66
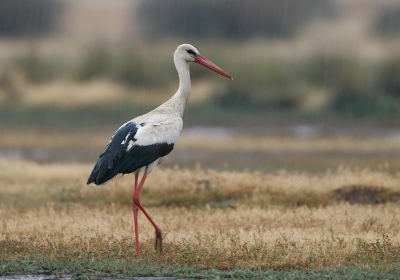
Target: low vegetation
342,85
234,224
230,20
29,18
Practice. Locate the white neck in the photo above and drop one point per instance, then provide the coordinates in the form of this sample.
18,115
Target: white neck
181,97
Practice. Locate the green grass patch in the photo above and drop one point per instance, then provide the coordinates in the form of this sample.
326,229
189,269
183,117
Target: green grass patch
105,256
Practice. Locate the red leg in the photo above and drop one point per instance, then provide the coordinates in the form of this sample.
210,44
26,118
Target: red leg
135,215
138,204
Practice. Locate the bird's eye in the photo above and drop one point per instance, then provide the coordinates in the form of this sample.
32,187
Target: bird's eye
189,51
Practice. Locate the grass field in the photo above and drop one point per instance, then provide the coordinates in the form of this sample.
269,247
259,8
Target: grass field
340,224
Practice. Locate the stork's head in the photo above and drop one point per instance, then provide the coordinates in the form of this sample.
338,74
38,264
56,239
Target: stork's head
189,53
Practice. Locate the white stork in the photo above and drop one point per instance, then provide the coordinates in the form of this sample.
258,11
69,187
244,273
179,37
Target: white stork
145,140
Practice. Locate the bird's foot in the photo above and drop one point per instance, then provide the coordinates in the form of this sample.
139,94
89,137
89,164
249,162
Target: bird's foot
159,241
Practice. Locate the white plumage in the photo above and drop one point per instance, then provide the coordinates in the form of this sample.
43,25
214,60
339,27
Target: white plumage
145,140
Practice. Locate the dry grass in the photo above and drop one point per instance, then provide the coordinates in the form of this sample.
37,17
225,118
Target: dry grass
211,219
72,94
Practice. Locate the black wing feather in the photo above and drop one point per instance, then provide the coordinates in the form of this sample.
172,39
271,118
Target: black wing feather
116,160
113,152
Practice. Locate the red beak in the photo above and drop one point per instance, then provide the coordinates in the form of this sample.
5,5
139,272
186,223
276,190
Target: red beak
202,60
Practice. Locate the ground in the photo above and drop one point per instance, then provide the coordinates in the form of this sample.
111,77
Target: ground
335,221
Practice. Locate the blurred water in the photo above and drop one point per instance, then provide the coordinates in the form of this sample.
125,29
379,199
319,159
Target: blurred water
239,159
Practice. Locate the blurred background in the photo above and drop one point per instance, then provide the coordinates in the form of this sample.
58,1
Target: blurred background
71,72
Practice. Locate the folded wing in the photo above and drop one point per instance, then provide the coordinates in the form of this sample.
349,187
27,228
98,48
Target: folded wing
125,154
